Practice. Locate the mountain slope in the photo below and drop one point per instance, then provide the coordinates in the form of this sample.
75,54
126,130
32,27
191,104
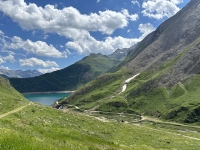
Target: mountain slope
68,78
178,34
168,61
9,97
35,126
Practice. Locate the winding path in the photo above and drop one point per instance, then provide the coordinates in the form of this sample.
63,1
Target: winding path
14,111
143,118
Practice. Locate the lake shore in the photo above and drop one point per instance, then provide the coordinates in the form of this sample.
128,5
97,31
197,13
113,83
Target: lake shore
49,92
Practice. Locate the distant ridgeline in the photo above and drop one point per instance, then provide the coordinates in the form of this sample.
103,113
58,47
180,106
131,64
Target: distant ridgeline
19,73
70,77
168,86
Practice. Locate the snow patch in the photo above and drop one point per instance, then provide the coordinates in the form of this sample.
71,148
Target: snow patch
127,81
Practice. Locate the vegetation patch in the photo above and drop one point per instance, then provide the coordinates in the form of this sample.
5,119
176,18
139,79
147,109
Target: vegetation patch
117,104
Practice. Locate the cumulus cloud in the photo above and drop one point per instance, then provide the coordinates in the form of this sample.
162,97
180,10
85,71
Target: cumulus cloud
10,58
51,19
105,47
48,70
6,68
111,43
132,17
159,9
68,22
1,60
39,48
37,62
4,59
145,29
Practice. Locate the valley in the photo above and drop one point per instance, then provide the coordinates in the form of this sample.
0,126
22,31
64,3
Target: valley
77,131
146,97
168,84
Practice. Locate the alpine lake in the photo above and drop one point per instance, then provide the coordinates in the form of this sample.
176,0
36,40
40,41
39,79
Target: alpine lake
46,98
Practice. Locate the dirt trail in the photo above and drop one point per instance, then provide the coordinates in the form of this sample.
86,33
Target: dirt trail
188,137
166,122
14,111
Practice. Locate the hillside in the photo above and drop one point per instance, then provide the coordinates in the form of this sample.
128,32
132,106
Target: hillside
168,85
35,126
66,79
9,97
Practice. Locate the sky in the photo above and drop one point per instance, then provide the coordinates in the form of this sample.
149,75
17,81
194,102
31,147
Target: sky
49,35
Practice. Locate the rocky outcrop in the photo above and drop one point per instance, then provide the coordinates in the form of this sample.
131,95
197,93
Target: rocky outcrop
174,45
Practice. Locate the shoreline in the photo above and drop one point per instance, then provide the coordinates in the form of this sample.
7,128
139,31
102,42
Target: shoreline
49,92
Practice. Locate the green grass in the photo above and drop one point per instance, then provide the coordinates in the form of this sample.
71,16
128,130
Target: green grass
96,92
47,128
9,97
116,104
40,127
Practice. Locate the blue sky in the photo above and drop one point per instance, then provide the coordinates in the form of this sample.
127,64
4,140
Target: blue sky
51,35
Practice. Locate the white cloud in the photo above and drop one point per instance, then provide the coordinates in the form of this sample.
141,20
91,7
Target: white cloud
37,62
159,9
145,29
98,1
110,44
1,60
132,17
10,58
105,47
48,70
176,1
129,30
6,68
68,22
50,19
46,36
39,48
4,59
135,2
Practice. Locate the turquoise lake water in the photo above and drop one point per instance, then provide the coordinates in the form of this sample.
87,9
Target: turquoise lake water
46,98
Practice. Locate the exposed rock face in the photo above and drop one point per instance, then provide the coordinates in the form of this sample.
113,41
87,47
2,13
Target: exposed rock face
176,41
120,54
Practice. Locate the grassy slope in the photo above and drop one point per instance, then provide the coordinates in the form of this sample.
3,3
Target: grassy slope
95,92
9,97
41,127
68,78
143,96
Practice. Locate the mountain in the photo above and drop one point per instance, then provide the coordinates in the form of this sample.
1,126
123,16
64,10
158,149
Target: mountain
120,54
68,78
167,65
19,73
26,125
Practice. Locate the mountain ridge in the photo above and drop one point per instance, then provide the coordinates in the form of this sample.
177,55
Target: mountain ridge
67,79
19,73
168,61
